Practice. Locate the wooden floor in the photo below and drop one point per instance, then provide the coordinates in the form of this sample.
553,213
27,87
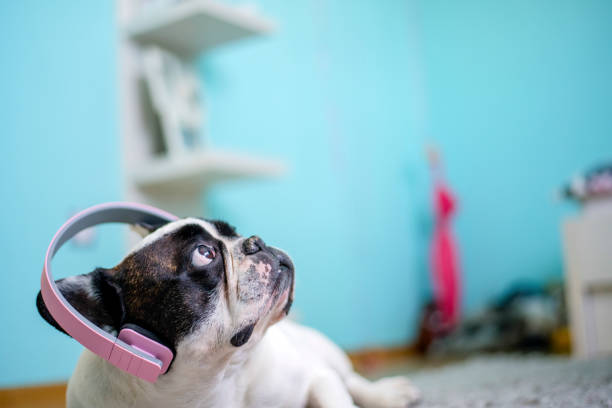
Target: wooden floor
45,396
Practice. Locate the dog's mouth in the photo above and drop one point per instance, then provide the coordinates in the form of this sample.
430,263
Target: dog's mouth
289,302
287,297
282,293
284,281
275,281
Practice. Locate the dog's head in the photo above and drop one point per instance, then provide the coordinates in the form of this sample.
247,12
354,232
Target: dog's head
189,281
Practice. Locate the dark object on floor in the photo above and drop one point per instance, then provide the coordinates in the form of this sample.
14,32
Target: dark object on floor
431,328
526,318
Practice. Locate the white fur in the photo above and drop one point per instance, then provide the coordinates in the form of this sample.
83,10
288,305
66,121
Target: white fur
283,365
292,366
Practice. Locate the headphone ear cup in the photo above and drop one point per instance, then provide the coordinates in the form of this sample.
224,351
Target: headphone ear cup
142,331
148,342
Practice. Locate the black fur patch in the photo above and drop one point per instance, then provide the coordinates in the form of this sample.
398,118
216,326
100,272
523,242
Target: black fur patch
151,226
242,336
163,292
44,312
105,308
156,288
224,228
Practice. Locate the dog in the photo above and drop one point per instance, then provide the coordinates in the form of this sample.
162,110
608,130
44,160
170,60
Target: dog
218,301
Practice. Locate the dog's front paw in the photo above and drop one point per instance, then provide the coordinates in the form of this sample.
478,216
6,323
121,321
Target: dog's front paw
395,392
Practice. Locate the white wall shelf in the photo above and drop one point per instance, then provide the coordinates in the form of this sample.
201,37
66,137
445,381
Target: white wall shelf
184,28
191,27
196,171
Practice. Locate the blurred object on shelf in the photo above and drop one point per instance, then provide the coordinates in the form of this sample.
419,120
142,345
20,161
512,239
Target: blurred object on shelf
175,92
594,184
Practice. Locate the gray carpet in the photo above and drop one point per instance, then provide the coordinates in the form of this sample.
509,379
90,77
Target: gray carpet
518,381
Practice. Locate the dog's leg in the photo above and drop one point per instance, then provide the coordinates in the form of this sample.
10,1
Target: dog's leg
390,392
328,391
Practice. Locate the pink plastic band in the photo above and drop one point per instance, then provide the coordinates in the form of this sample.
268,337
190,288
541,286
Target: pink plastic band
128,351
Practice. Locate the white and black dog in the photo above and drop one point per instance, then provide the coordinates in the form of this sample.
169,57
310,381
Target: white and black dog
215,298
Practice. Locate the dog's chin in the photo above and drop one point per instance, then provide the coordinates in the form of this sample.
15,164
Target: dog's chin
284,298
282,305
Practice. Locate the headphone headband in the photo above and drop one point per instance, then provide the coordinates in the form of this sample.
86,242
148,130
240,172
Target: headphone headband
130,351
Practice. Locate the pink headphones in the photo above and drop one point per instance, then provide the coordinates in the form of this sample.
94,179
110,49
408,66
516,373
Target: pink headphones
132,351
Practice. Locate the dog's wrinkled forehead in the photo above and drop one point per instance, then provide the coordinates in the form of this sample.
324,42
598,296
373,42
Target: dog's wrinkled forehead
219,230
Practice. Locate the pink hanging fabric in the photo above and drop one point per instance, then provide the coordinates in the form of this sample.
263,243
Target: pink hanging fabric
444,258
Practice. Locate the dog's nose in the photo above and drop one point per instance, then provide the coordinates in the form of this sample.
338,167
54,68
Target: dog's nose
252,245
283,258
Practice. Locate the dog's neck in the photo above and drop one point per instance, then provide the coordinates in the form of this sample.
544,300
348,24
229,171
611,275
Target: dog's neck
203,381
194,380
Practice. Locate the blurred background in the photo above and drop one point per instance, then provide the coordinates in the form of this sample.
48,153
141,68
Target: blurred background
313,126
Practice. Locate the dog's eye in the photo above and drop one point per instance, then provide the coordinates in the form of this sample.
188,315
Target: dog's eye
202,256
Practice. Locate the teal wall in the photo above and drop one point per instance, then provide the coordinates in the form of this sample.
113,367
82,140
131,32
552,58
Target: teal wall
60,153
334,93
519,97
515,93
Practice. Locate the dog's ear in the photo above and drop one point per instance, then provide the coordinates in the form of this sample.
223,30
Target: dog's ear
95,295
143,229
